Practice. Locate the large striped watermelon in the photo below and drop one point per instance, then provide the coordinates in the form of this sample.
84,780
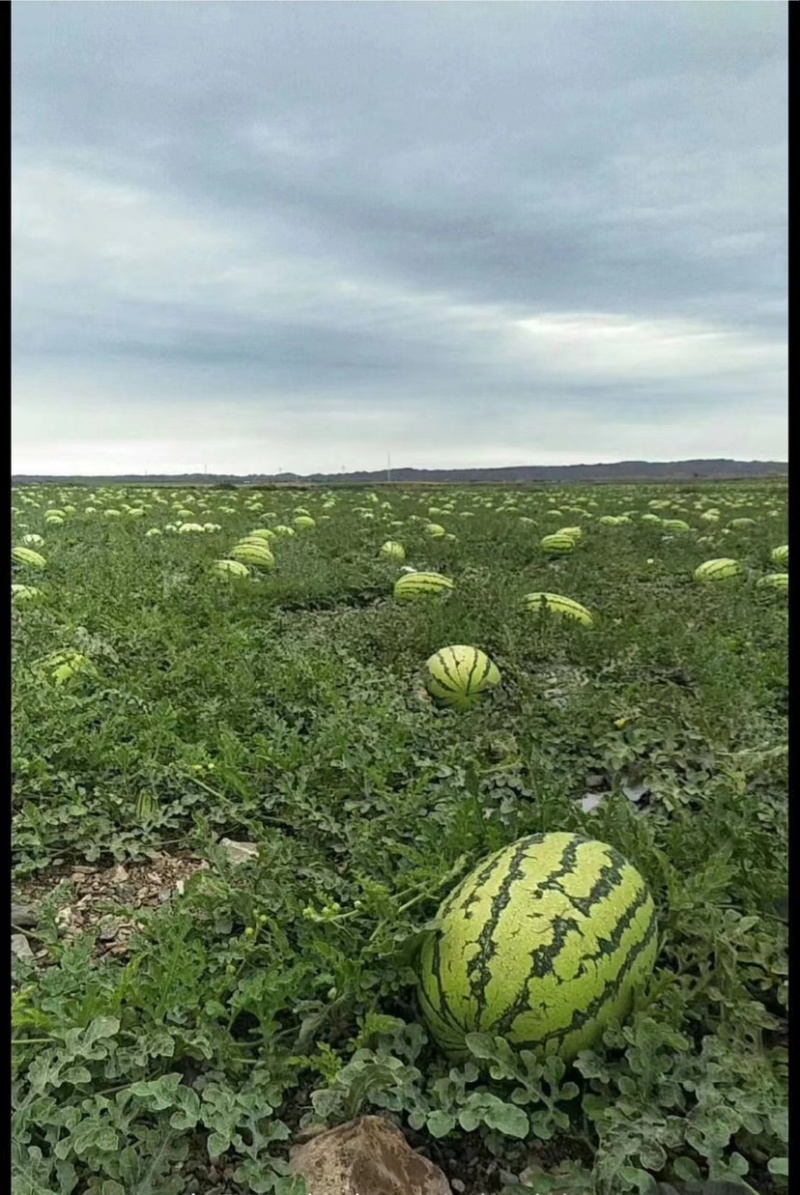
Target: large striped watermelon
253,552
779,556
458,675
414,585
721,569
542,943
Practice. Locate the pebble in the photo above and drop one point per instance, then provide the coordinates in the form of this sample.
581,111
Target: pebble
24,916
109,928
20,946
239,852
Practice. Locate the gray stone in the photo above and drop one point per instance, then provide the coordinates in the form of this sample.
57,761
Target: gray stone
590,801
20,946
239,852
24,916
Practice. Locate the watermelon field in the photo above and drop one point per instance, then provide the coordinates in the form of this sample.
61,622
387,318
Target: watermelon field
252,787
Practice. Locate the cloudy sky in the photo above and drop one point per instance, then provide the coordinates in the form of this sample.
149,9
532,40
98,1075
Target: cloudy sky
268,236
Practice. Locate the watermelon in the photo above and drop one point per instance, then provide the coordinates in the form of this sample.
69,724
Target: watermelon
558,544
779,556
722,569
414,585
778,581
557,604
393,550
543,944
574,533
252,552
27,556
25,593
459,675
230,568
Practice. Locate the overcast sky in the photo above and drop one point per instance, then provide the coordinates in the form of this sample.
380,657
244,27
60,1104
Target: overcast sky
263,235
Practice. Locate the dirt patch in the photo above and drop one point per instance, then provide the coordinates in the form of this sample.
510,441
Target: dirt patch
105,898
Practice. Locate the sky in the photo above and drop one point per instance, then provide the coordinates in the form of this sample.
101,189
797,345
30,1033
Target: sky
262,237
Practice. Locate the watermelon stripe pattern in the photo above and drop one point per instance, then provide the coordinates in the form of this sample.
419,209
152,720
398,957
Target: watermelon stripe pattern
779,581
459,674
542,943
556,604
558,544
414,585
722,569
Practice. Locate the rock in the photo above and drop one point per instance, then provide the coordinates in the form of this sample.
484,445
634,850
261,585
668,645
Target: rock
119,875
239,852
590,801
24,916
367,1156
109,927
20,946
635,792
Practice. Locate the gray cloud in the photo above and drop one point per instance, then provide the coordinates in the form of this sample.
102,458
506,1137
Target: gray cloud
493,208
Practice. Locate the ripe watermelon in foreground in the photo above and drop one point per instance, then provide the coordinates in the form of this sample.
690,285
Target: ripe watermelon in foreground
459,675
543,944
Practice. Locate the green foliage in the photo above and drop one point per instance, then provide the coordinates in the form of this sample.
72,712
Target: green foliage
157,708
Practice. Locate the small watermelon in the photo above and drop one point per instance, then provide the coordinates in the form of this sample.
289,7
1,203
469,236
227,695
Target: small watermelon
416,585
459,675
28,556
230,568
554,603
558,544
779,581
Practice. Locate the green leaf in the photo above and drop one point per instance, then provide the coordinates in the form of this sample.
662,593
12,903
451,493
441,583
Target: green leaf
507,1119
158,1094
440,1124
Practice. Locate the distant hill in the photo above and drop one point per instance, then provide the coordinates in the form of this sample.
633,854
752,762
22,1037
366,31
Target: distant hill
620,471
